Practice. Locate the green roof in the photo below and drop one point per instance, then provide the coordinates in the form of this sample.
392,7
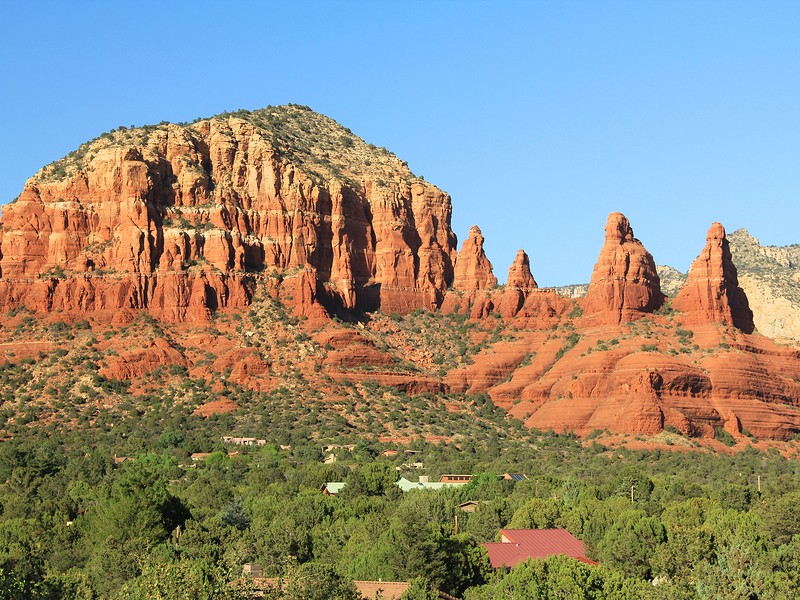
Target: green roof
334,487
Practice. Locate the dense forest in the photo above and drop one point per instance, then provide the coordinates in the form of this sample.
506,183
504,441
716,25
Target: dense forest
76,523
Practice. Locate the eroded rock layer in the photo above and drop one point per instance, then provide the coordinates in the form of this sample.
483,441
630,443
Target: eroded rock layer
178,219
283,204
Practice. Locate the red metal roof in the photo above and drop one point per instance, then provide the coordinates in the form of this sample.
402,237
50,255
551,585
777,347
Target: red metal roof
521,544
504,553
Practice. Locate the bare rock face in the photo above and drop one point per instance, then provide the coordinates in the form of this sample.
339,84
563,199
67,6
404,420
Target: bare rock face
519,273
542,308
182,220
631,380
473,281
518,286
711,293
473,270
624,284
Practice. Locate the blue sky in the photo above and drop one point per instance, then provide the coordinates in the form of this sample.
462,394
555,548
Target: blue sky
539,118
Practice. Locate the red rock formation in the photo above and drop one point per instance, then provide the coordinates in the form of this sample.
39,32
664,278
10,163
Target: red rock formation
519,273
634,380
542,309
624,284
300,290
711,292
473,270
132,223
493,368
473,280
223,406
353,357
245,367
135,363
188,220
518,286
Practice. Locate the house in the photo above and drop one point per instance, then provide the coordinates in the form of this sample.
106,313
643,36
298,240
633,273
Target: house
333,487
423,484
515,477
471,505
409,466
243,441
518,545
369,590
390,453
332,447
390,590
386,590
200,456
455,479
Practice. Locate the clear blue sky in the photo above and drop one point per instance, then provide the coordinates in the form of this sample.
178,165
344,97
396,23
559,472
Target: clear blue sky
539,118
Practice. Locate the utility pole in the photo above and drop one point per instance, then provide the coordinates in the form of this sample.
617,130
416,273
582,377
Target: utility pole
759,484
632,487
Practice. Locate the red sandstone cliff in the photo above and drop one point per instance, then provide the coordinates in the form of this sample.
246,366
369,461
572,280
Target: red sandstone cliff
181,220
711,292
624,284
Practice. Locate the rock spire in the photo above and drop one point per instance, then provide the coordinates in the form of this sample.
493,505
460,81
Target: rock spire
473,270
624,284
519,273
519,285
711,292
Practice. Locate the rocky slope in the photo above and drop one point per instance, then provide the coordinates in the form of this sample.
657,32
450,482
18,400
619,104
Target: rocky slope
244,234
694,367
671,279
